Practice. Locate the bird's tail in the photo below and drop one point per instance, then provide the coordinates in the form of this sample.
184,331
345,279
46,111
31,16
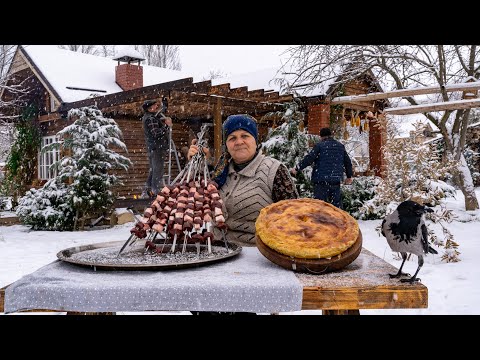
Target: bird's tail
432,250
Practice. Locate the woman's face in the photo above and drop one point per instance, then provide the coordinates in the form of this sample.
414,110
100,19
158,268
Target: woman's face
241,145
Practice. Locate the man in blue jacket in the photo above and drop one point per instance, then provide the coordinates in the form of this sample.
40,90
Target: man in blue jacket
328,159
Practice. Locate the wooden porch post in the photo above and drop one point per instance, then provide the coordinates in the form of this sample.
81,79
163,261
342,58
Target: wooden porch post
217,130
376,139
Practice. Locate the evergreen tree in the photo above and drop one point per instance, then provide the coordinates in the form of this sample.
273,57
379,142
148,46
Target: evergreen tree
289,143
89,141
88,145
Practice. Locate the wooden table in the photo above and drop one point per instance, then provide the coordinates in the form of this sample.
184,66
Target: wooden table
364,284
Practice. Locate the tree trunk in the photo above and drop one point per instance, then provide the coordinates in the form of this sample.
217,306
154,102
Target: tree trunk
464,181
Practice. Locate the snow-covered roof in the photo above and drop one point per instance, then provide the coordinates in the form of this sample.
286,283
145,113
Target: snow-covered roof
265,79
67,71
77,76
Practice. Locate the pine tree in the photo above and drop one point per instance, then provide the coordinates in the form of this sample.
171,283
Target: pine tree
89,147
89,141
289,143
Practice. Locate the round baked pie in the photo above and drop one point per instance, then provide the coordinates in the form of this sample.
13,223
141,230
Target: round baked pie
306,228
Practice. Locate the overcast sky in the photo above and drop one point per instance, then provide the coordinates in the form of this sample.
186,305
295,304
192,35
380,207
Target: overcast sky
229,59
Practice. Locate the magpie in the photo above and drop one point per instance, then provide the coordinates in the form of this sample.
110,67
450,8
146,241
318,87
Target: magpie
406,233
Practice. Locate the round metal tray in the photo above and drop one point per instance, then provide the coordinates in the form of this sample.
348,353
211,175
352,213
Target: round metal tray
104,256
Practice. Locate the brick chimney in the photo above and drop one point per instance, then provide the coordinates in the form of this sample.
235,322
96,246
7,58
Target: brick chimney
318,116
129,76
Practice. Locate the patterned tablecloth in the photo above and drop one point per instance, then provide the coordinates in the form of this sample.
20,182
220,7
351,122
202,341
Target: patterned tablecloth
247,282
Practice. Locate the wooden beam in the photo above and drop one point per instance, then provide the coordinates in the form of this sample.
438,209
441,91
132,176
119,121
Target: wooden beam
217,130
147,92
405,92
221,89
441,106
256,94
240,92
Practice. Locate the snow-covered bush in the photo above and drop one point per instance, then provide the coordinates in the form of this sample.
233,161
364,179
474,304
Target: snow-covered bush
413,171
354,196
48,208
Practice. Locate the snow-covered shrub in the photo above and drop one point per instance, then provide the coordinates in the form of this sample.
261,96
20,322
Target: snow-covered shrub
359,192
413,170
48,208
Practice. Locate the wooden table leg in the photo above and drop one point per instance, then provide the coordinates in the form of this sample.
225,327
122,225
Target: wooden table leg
2,299
341,312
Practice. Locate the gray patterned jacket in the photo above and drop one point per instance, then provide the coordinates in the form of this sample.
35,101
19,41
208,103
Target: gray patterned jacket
244,194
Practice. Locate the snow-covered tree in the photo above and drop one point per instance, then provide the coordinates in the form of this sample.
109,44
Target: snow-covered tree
289,143
214,74
85,49
399,67
99,50
89,141
164,56
11,93
88,145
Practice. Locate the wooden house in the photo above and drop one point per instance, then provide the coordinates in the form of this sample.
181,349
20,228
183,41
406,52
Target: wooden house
59,80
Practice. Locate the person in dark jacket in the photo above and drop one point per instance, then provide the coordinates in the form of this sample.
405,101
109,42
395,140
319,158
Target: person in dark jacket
157,140
328,159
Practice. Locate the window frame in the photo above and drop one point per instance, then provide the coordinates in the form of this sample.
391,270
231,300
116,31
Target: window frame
48,158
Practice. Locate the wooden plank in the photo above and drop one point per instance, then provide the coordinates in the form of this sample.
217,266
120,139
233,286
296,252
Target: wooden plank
221,89
217,130
49,117
239,92
364,284
440,106
405,92
2,299
375,298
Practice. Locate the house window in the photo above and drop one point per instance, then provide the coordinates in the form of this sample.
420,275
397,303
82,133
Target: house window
47,158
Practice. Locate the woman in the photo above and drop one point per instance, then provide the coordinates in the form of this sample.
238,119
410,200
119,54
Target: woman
247,180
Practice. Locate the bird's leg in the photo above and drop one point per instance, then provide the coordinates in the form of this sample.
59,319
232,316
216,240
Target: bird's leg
414,278
400,273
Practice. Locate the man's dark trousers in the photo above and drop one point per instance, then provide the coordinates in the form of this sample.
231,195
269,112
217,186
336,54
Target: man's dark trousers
329,192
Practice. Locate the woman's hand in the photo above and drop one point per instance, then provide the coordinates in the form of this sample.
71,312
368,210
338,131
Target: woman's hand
194,149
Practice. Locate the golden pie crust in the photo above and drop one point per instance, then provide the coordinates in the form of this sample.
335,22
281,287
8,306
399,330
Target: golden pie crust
306,228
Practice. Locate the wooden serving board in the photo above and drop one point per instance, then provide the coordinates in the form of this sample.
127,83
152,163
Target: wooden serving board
313,266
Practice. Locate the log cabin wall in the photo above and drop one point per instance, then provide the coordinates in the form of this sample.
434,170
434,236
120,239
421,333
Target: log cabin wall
133,136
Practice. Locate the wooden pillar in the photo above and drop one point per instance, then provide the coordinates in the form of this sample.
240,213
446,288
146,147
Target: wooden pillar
318,117
217,130
376,139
